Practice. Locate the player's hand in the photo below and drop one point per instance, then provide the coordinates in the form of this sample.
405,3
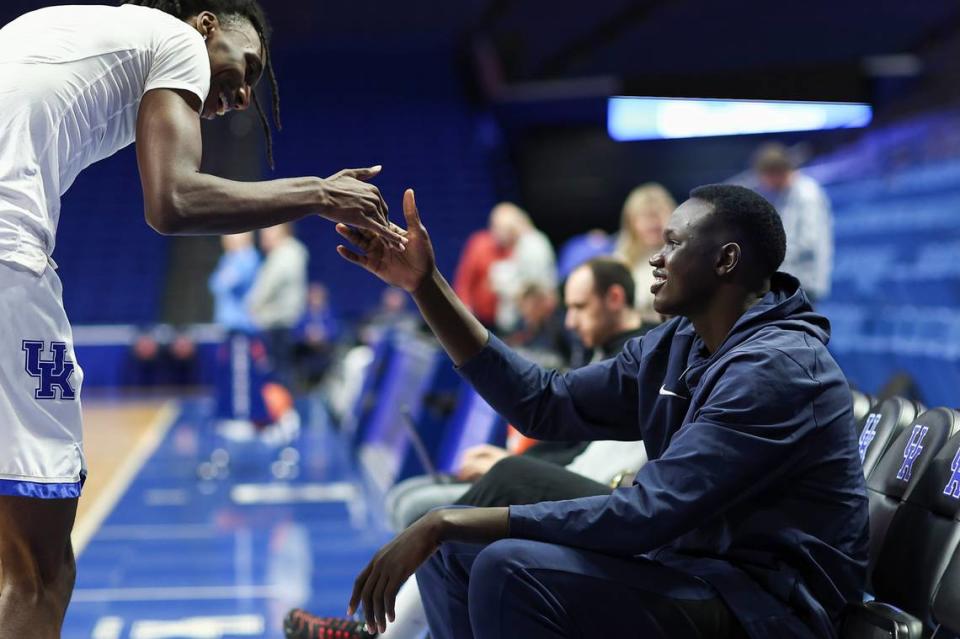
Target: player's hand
405,269
377,585
478,460
348,198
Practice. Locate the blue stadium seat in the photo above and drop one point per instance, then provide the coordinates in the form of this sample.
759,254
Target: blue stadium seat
474,422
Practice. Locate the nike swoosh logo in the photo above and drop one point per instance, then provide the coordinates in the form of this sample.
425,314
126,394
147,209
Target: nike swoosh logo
664,391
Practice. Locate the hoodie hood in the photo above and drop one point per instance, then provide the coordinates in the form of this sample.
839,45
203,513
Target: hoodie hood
786,305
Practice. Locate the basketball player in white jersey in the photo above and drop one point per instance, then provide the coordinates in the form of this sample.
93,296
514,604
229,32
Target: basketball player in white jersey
78,83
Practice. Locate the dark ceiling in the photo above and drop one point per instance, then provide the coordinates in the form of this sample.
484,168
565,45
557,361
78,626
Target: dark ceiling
648,46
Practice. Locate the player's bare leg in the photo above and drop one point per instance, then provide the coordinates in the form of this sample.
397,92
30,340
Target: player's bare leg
37,566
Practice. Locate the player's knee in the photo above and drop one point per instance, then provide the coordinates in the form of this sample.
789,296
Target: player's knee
30,578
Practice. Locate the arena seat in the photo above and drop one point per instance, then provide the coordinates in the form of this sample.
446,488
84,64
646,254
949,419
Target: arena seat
406,380
901,467
473,422
923,531
881,426
923,534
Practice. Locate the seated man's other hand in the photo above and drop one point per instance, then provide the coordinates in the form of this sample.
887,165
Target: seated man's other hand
406,269
478,460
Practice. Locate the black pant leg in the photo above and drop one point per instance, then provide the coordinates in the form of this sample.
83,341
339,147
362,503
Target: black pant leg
524,480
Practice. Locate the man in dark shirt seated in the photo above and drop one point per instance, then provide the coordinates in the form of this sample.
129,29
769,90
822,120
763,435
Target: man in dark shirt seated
750,519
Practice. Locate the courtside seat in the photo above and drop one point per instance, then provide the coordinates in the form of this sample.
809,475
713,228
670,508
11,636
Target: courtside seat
920,538
900,468
946,603
925,532
881,426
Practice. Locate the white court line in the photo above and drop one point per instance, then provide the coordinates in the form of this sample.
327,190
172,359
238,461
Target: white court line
111,494
137,532
177,593
108,628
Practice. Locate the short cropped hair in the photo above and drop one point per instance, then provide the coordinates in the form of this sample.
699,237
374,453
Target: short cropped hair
609,271
752,217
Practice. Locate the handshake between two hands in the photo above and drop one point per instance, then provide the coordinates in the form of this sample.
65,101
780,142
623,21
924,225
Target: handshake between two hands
400,257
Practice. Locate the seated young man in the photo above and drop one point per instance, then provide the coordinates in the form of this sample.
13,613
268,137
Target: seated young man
750,519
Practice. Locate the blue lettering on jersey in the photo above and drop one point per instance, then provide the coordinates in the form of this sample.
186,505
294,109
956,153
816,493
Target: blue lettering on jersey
911,452
953,486
869,432
52,374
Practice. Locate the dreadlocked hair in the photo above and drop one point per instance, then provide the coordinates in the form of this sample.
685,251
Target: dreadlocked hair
232,11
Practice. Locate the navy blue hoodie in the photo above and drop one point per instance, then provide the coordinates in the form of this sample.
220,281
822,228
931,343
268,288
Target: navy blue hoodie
754,482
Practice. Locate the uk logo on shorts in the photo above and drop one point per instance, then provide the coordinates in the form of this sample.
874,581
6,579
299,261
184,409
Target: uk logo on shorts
912,450
52,374
953,486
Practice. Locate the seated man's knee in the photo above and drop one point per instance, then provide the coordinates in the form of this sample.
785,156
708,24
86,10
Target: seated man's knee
497,563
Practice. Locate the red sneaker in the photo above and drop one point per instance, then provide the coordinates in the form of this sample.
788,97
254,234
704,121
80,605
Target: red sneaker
300,624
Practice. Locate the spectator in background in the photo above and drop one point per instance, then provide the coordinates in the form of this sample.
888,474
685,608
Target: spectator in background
472,279
600,296
237,389
231,280
531,261
805,211
645,214
278,297
317,332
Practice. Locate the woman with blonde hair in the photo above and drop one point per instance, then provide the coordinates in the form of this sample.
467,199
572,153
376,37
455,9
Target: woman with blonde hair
645,213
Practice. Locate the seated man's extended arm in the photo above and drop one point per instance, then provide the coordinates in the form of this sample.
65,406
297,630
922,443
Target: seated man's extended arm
595,402
179,199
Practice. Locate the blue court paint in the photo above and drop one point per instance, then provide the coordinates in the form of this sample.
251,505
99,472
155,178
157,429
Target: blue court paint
184,557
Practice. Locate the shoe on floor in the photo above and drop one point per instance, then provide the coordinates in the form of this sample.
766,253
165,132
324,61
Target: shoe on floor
300,624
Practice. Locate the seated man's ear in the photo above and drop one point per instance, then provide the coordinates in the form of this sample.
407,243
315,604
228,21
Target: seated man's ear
728,259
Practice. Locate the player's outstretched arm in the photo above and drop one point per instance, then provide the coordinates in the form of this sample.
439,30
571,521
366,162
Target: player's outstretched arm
180,200
415,271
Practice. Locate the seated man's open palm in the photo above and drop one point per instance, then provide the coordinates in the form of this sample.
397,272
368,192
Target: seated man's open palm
405,269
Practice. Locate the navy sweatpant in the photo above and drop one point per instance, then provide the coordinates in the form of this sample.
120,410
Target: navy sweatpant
531,589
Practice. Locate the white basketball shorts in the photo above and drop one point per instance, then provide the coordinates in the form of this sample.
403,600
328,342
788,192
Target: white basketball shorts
41,435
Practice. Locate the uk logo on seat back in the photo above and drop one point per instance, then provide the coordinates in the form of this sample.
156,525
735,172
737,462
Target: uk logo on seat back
912,450
868,434
953,486
53,374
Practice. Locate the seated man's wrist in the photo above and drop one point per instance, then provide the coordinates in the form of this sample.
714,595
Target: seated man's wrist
431,281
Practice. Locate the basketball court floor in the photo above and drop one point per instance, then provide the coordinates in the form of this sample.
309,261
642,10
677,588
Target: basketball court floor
183,534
